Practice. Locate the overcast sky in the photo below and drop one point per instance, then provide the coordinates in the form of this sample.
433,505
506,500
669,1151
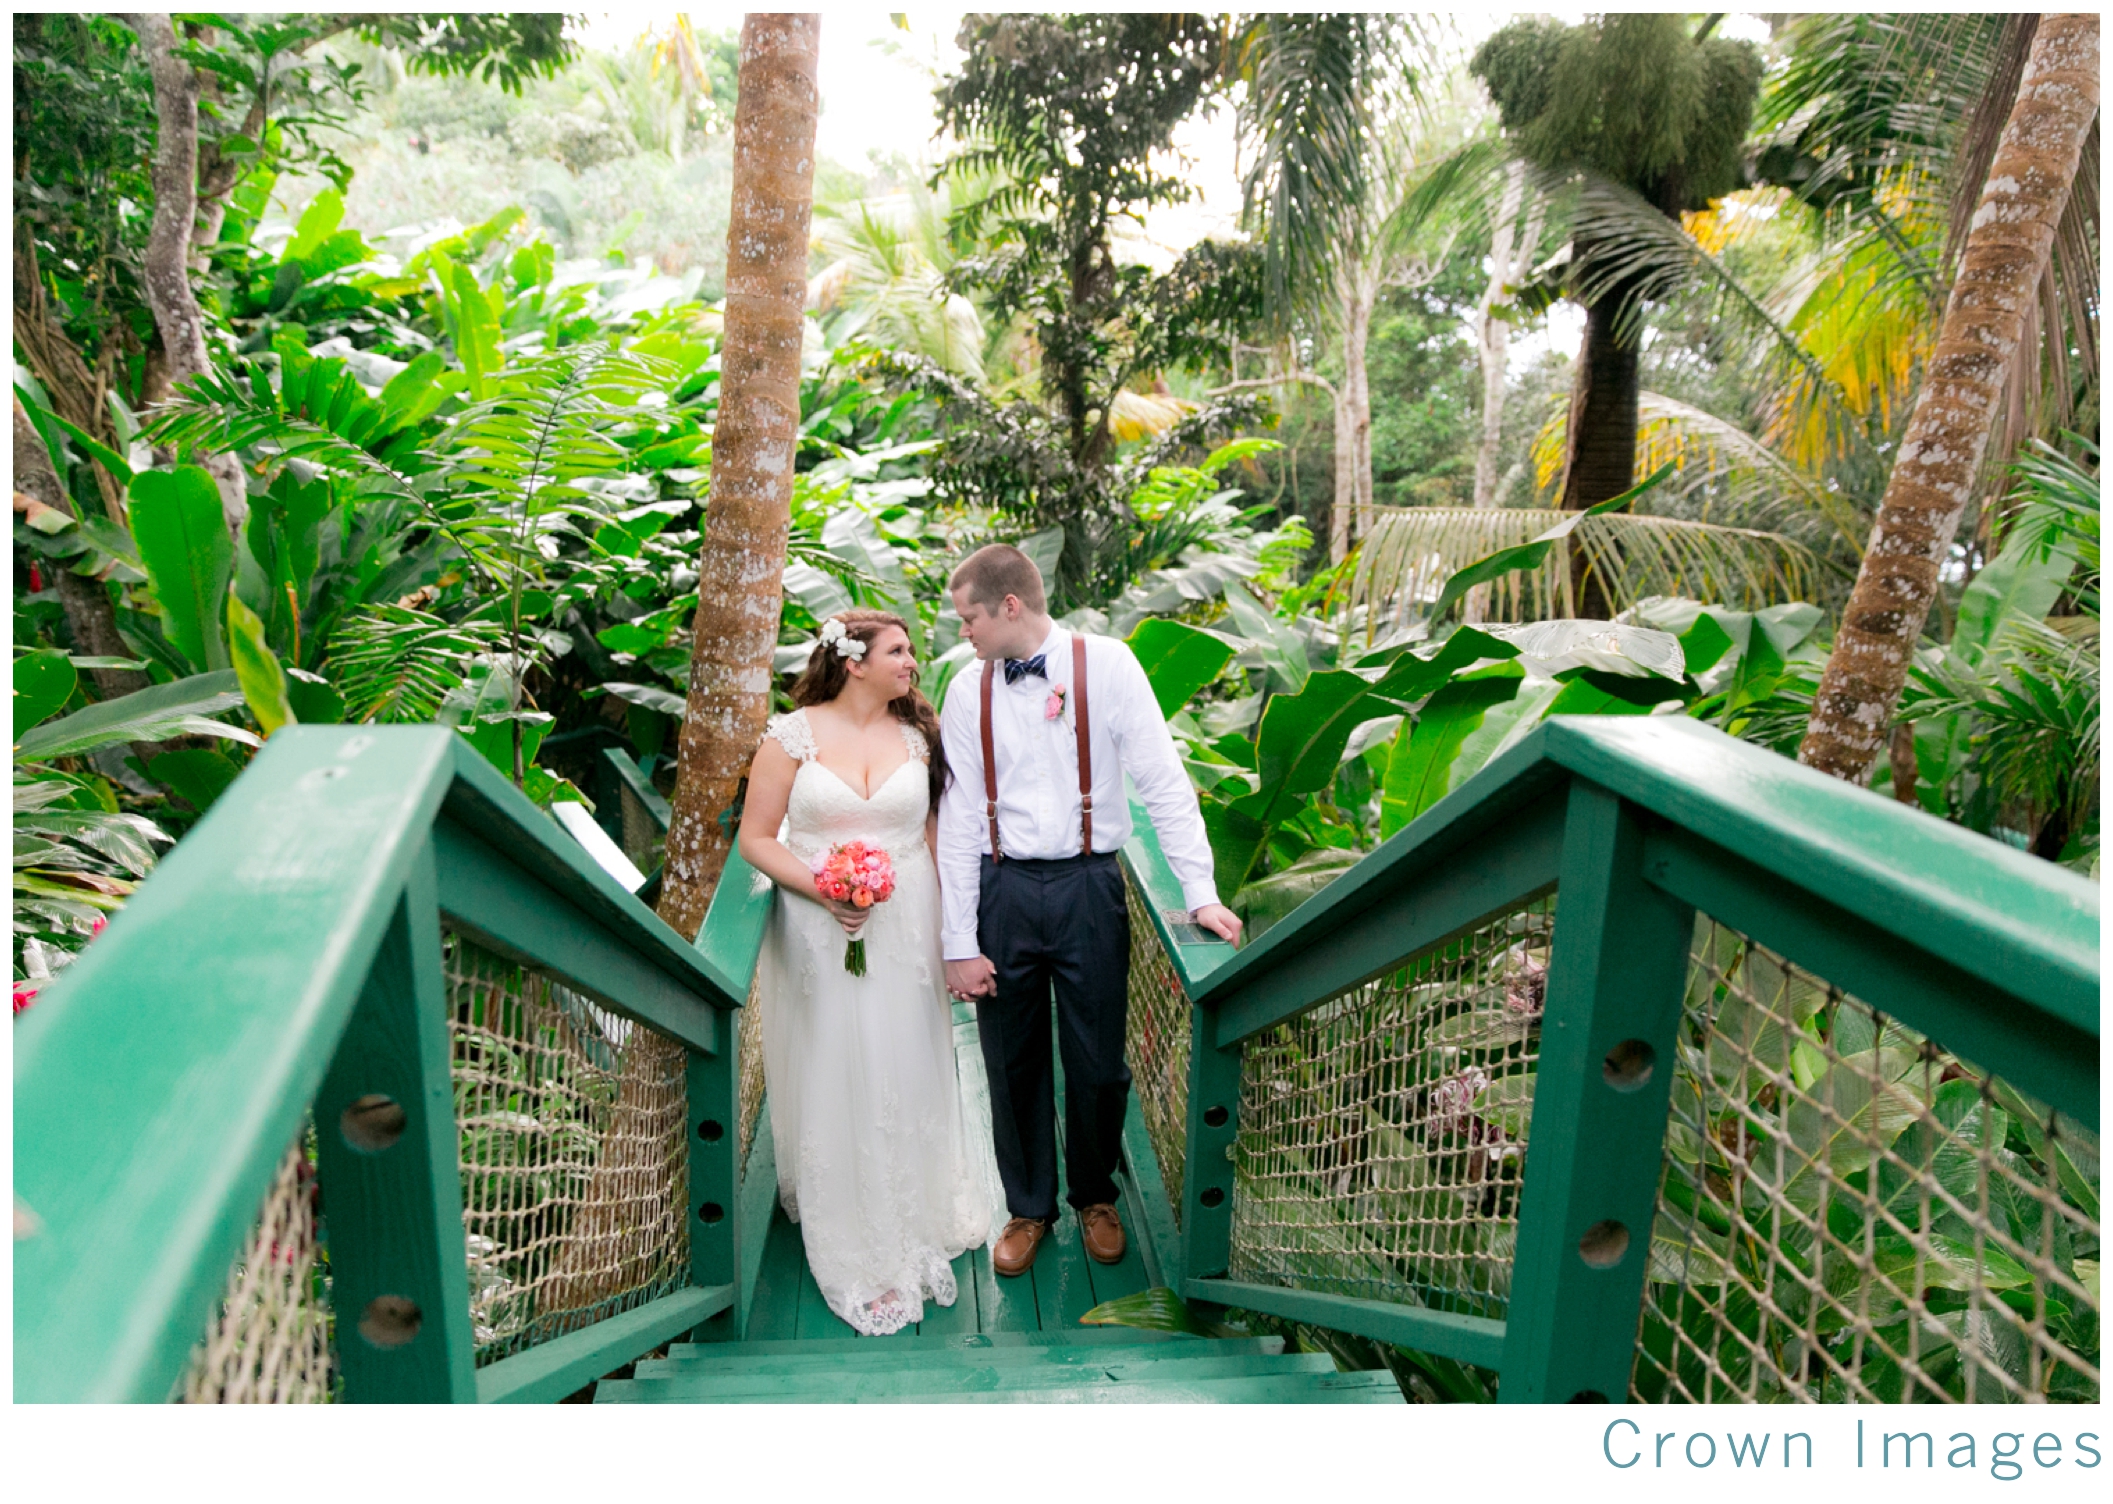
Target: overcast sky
877,79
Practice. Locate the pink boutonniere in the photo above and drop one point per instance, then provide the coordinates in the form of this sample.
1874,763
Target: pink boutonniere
1054,709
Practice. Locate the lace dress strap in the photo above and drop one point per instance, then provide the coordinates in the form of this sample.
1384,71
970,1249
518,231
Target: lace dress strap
912,739
792,732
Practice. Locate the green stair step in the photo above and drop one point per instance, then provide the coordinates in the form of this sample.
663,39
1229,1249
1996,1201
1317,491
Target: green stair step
893,1357
1374,1388
840,1386
953,1342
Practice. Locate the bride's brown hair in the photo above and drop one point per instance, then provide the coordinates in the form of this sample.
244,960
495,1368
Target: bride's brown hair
825,676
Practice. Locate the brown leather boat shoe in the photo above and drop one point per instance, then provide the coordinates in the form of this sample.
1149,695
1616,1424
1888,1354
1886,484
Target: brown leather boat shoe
1017,1244
1103,1233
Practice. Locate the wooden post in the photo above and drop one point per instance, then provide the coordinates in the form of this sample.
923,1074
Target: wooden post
1616,980
387,1160
1207,1168
715,1175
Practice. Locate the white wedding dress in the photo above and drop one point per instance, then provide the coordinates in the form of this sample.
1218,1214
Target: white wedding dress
888,1171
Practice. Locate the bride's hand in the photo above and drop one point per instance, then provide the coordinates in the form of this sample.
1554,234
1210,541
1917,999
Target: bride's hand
849,915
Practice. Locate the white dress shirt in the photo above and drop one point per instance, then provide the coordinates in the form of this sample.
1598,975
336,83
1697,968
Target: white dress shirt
1038,776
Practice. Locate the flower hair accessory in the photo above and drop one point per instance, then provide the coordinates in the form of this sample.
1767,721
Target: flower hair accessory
834,635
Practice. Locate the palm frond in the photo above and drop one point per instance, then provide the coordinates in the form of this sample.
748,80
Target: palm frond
394,664
1413,551
1319,89
1722,474
1624,242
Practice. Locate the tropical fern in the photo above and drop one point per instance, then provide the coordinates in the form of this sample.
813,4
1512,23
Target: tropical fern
394,664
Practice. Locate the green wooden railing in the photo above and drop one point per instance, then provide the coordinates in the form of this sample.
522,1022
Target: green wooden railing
1433,964
1635,955
372,931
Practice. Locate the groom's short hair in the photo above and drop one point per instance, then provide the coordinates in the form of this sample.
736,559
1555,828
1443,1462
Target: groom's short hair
997,570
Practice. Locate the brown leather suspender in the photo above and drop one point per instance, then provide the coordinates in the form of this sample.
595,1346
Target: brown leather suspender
1078,690
991,671
1080,723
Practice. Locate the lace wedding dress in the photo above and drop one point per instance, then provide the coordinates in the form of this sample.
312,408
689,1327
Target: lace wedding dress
885,1167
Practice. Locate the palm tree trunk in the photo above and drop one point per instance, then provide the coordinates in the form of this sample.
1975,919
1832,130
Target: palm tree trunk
1345,503
165,266
1601,438
1510,254
2007,251
1357,389
748,512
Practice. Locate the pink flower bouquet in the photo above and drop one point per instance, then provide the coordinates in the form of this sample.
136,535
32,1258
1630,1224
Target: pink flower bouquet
857,874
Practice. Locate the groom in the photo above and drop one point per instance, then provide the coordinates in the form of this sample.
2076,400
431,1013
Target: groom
1038,734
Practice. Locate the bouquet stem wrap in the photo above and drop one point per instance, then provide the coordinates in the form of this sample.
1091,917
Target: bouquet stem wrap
857,874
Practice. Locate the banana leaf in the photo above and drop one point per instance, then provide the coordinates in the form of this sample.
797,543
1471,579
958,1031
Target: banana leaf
152,714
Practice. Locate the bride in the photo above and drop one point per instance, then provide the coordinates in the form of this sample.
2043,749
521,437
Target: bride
878,1160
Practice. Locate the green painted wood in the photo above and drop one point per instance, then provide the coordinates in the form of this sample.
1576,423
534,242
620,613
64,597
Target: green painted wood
759,1204
960,1317
1149,1213
774,1316
874,1357
715,1209
393,1202
1146,867
1465,1339
484,804
567,1364
159,1081
1995,913
732,936
2017,922
641,787
1207,1175
1087,1336
815,1318
1514,861
2037,1049
1270,1389
864,1385
1617,972
1005,1305
493,898
1064,1288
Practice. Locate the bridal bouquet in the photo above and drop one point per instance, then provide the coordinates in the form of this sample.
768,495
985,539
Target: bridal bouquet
858,874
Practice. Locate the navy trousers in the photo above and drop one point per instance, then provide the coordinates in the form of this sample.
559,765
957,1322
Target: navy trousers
1061,929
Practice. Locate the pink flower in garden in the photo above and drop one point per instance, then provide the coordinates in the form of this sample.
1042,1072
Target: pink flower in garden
26,993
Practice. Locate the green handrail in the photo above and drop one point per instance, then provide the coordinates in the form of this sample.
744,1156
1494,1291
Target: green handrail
1640,823
286,955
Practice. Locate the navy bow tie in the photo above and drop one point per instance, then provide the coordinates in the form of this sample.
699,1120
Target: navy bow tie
1017,669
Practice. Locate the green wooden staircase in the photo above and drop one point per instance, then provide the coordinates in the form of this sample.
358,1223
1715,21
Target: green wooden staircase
381,1089
1094,1366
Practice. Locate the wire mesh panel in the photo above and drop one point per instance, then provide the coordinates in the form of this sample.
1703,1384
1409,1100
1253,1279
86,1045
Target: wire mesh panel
573,1128
1849,1212
751,1070
1157,1047
269,1342
644,839
1382,1135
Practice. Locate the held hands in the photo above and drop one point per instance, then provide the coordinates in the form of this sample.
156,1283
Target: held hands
975,977
1220,921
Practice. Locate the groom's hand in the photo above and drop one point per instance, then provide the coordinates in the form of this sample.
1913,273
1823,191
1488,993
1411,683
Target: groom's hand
975,977
1220,921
